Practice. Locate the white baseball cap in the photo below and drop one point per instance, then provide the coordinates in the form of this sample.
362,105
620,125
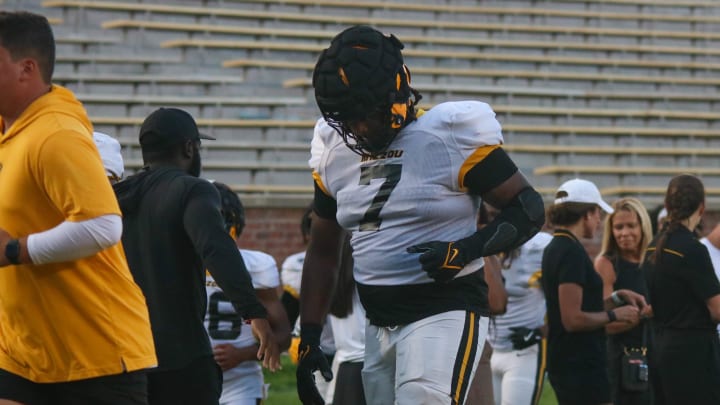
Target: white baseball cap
109,149
581,191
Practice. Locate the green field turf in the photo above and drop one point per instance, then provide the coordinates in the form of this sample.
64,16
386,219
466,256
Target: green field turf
282,387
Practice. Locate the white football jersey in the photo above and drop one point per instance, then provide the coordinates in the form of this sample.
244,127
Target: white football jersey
526,301
224,325
291,273
411,193
349,333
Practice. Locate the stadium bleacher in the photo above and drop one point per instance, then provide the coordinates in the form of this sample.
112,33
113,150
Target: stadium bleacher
622,91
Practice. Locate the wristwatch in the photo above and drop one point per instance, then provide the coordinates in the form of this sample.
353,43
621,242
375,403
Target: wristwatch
12,251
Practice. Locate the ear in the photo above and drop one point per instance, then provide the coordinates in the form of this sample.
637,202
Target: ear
29,68
189,149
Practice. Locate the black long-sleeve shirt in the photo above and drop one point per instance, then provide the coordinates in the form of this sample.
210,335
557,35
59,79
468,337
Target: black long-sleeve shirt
172,232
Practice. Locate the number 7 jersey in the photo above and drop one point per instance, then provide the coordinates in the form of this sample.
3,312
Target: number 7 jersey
413,192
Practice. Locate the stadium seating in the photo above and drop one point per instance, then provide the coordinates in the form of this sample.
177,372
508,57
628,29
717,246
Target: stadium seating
624,92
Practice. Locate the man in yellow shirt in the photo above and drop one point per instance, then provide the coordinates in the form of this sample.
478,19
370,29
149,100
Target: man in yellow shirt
74,326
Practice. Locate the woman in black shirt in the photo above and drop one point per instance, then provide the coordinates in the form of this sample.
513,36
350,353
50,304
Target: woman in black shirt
685,293
627,233
576,310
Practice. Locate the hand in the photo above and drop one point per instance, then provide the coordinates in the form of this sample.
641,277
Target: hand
311,359
269,352
523,337
632,298
646,312
441,260
226,356
627,313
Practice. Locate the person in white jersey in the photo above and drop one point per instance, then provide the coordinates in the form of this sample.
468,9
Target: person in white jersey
234,346
518,360
406,184
712,243
290,275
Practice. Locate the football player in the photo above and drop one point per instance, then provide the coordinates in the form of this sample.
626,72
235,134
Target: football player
406,184
234,346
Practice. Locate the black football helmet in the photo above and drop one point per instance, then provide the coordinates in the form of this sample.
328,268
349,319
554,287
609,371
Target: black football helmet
360,77
232,209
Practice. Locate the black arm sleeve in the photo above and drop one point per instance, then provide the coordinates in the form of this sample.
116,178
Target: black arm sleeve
517,222
324,205
490,172
220,256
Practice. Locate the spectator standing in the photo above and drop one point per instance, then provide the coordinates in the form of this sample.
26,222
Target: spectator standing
627,233
407,186
234,346
74,327
173,232
685,294
576,310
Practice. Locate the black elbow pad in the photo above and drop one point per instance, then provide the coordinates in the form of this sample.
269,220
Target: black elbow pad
532,203
517,222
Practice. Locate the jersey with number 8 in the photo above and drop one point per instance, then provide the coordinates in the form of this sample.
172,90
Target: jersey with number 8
409,194
224,325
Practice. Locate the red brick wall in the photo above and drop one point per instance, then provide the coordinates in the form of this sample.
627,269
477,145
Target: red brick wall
275,231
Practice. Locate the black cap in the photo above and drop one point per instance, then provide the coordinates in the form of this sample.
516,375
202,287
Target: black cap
169,126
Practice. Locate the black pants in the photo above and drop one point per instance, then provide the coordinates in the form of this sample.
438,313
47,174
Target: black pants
118,389
581,387
619,395
685,367
198,383
348,384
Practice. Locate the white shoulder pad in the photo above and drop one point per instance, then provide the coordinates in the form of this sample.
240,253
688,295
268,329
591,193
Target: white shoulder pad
471,124
540,240
262,268
324,136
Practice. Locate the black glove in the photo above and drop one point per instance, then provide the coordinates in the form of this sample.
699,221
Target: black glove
310,359
441,260
523,337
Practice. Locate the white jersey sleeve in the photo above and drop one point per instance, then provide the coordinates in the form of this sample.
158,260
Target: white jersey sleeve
262,268
317,145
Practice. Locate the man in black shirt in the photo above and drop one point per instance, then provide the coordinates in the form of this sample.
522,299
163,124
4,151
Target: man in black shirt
173,231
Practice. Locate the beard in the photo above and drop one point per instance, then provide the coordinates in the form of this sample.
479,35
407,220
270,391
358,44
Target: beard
195,164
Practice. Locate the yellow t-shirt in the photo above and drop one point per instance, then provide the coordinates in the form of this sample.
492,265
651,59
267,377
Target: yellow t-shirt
71,320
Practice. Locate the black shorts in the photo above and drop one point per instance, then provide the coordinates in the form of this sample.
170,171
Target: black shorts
583,387
198,383
118,389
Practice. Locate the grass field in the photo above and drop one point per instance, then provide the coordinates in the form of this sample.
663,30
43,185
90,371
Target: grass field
282,387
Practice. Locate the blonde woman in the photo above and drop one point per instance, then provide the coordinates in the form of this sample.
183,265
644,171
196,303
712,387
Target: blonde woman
627,233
